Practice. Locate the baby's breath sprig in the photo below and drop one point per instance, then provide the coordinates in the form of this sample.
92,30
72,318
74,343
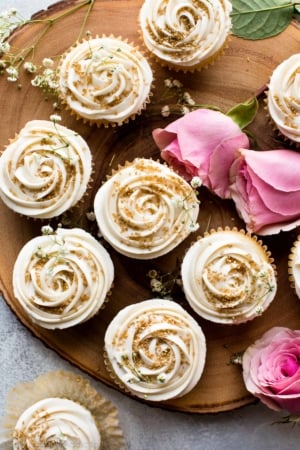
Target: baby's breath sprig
180,101
163,284
12,60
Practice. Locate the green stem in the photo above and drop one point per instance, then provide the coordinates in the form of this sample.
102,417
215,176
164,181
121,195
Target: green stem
50,22
33,46
91,4
272,8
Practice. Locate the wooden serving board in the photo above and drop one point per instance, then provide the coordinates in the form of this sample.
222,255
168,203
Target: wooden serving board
243,69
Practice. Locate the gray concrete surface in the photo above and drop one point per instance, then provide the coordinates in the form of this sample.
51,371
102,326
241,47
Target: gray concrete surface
23,357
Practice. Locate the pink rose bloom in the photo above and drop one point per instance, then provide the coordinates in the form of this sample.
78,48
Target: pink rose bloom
271,369
202,143
265,186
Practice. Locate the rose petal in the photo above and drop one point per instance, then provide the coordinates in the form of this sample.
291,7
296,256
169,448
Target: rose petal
265,208
188,143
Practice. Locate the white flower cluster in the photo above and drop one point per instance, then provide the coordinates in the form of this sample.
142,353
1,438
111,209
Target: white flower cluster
183,99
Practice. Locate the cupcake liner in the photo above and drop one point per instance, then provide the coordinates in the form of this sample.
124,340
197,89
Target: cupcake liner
104,122
69,386
203,65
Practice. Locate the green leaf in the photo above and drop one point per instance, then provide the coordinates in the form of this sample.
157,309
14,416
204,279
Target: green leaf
244,113
260,19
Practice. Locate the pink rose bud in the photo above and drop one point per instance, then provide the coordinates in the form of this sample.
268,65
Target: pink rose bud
265,186
271,369
202,143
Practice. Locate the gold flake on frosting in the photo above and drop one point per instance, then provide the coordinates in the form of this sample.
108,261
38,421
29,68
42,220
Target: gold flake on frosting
144,210
155,349
105,80
45,170
185,33
228,277
62,279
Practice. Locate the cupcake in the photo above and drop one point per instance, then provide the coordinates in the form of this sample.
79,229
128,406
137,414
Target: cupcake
155,350
186,35
62,279
104,80
60,410
228,277
283,98
45,170
294,266
144,210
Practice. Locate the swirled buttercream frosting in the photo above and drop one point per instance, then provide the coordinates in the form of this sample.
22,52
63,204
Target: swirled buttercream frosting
155,349
228,277
294,266
62,279
144,210
185,34
105,80
56,423
284,98
45,170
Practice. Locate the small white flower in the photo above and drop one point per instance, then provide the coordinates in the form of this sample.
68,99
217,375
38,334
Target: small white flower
184,110
12,71
156,285
168,82
188,99
196,182
37,81
165,111
4,47
47,229
161,378
91,216
30,67
177,83
55,118
2,64
48,62
194,226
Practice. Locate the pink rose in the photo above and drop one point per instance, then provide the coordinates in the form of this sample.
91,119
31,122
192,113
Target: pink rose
271,369
202,143
265,186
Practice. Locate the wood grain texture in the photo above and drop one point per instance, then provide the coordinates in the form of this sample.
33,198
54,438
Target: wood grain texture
242,70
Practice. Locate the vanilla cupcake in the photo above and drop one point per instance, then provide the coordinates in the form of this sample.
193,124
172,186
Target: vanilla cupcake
185,35
62,279
283,98
144,210
155,350
228,277
45,170
104,80
59,410
294,266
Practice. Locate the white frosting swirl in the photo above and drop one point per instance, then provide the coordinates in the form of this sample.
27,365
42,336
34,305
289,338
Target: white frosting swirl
145,209
56,423
284,97
45,170
62,279
185,33
228,277
156,349
105,80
